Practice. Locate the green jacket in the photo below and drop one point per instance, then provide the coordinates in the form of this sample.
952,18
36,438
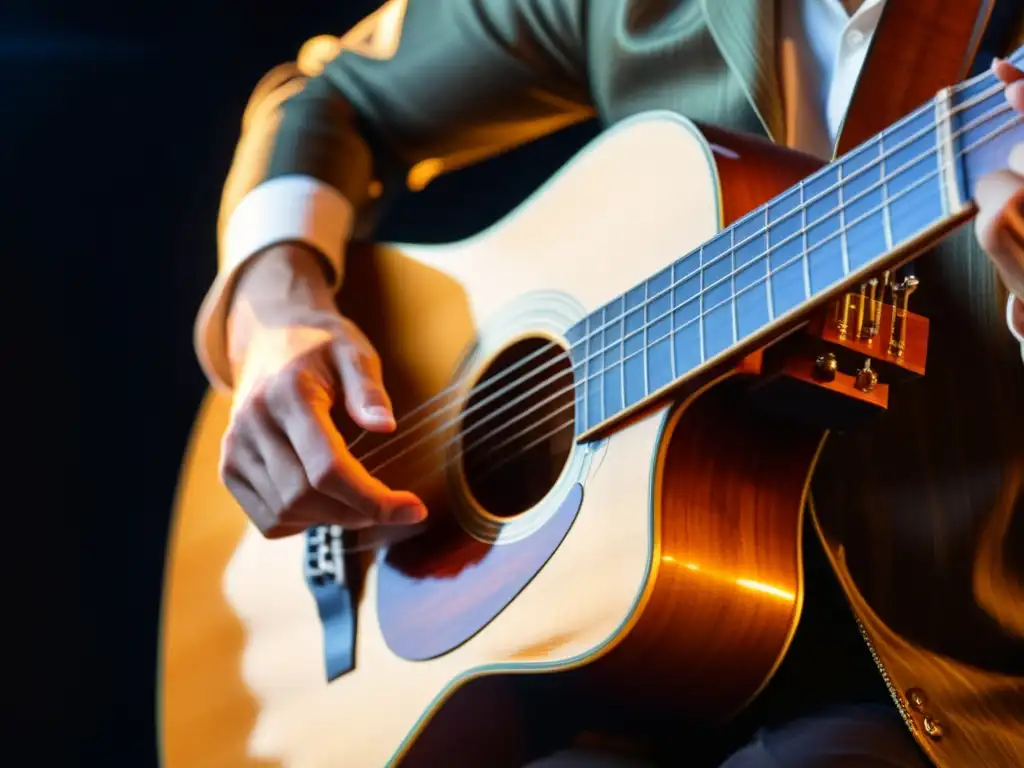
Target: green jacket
908,504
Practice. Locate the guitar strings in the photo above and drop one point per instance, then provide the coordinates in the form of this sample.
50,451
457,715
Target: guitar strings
600,372
621,342
490,381
532,356
520,416
503,374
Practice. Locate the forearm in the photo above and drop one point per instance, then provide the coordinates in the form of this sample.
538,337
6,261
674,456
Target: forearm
469,79
282,285
300,176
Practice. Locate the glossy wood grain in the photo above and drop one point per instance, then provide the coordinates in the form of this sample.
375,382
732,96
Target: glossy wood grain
728,586
725,592
918,48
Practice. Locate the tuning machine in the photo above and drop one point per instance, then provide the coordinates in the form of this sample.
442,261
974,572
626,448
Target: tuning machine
898,327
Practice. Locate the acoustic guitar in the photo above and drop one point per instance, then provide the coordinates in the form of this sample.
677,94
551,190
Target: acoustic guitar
612,402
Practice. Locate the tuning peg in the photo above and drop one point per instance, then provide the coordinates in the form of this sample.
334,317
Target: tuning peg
877,318
862,301
900,300
842,315
869,304
866,377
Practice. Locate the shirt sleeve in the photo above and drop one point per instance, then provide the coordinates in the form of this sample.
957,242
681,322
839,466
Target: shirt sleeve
418,88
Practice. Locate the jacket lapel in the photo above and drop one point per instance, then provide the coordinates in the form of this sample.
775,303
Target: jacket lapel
745,33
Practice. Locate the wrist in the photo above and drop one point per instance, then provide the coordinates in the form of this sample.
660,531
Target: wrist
282,276
284,285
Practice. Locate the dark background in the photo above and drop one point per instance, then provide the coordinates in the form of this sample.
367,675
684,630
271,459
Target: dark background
118,121
117,125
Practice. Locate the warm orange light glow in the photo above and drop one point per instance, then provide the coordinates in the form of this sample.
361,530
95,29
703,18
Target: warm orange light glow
750,584
423,173
768,589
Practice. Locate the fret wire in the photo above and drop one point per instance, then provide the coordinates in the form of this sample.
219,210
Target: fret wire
672,324
622,349
886,220
768,266
843,244
586,368
700,307
732,283
804,245
939,159
938,155
647,325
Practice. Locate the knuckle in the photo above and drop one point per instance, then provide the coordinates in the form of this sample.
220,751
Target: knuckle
227,472
325,474
288,388
295,495
230,446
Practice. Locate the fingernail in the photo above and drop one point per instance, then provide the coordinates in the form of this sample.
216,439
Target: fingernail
377,413
408,515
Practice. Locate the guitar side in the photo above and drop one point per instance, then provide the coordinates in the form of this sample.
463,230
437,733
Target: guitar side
678,581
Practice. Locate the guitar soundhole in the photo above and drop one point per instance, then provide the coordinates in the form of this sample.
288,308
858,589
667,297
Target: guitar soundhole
518,427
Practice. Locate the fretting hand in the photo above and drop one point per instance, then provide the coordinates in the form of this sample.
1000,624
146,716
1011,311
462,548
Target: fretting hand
1000,198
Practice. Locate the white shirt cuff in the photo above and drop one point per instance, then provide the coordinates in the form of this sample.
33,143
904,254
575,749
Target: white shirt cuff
286,209
1015,319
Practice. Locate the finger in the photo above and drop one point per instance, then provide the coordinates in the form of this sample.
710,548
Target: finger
349,481
1000,225
1011,76
1005,70
366,400
284,530
301,504
303,412
248,498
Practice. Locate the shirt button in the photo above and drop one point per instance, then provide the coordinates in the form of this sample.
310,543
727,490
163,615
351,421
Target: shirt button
854,37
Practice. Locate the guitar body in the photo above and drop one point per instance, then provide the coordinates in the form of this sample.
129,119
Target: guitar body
659,561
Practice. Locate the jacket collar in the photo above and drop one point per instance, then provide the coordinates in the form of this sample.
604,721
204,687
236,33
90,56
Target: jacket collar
745,33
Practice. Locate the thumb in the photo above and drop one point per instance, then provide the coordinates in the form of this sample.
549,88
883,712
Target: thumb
366,400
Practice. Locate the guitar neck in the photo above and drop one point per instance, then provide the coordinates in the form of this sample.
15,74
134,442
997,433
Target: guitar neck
868,211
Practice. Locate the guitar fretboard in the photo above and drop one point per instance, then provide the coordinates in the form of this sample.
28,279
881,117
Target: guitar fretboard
789,253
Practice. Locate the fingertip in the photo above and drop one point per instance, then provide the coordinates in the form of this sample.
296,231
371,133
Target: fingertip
404,508
1016,158
375,418
407,515
1015,94
1004,70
